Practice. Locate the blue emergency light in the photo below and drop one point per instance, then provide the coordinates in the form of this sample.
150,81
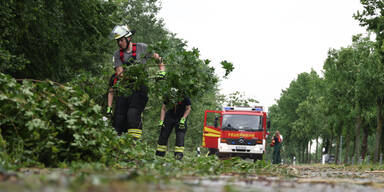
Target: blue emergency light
257,109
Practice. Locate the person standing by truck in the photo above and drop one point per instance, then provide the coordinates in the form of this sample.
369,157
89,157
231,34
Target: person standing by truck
129,107
174,117
276,144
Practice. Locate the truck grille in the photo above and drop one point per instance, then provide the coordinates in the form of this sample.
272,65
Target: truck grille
242,141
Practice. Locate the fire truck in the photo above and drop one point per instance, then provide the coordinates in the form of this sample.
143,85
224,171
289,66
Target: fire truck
236,131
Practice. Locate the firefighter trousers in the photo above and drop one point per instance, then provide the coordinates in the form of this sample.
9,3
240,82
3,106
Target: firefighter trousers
128,115
276,158
170,123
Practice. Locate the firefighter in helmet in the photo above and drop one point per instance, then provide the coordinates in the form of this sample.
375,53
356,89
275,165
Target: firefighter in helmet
276,144
173,115
129,107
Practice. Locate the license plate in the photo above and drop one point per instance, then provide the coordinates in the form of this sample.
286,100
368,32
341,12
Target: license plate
240,148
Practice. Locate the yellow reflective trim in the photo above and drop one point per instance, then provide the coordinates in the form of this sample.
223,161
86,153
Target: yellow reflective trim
161,72
207,129
210,135
203,141
179,149
135,131
161,148
135,135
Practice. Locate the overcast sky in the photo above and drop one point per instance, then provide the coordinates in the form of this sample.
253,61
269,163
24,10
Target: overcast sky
268,42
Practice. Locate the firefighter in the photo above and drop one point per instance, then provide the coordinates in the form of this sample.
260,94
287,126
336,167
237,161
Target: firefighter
127,116
173,116
276,144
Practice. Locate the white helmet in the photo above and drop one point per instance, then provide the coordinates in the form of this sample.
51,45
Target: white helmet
121,31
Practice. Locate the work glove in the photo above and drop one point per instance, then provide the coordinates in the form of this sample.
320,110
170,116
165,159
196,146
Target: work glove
109,110
161,124
182,123
160,75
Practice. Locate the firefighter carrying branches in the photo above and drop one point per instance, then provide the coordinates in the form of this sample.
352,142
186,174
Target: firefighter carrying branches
173,115
129,107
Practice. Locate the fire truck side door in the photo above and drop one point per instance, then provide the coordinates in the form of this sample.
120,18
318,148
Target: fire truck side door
211,131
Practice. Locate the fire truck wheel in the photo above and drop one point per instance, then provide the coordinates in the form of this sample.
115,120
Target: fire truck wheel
212,151
257,157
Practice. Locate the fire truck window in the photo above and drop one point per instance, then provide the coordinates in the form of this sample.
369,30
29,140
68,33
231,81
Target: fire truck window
213,120
242,122
216,124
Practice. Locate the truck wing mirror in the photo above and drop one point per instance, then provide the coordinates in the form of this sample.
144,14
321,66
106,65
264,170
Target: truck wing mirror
216,122
268,124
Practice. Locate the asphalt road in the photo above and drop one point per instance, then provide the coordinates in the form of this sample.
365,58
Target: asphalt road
313,178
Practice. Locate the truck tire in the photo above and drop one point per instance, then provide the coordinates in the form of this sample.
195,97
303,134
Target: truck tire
257,157
212,151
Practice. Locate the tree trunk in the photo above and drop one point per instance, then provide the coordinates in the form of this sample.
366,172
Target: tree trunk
317,148
326,146
309,151
304,148
302,152
379,128
358,123
347,144
353,147
337,149
330,150
364,145
306,152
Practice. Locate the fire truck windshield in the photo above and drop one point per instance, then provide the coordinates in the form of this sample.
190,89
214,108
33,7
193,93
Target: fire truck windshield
242,122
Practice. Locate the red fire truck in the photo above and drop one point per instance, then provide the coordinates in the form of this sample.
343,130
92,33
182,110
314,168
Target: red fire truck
236,131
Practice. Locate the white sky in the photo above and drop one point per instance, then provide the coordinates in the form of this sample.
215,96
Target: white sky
268,42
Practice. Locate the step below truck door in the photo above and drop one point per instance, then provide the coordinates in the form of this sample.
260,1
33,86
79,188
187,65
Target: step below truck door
212,131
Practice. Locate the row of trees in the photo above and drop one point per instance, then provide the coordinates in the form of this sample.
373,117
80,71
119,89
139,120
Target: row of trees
347,101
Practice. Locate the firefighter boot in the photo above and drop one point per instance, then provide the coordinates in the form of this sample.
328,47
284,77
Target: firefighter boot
161,150
179,152
135,133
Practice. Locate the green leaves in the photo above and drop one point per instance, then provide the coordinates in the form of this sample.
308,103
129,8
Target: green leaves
238,99
51,123
298,114
54,39
329,107
186,72
228,67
